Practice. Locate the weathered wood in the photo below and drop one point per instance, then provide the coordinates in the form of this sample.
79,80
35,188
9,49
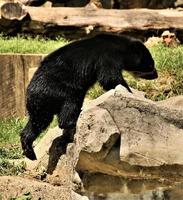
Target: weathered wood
140,19
13,11
56,20
14,77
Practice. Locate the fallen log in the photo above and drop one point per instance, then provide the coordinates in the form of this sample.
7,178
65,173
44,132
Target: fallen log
12,11
61,20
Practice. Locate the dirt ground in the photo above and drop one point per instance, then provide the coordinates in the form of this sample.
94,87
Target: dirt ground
24,188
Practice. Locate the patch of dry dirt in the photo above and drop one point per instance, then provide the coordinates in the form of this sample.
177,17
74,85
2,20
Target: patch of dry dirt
17,186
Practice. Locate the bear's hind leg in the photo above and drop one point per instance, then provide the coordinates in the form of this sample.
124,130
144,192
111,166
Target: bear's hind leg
69,114
34,127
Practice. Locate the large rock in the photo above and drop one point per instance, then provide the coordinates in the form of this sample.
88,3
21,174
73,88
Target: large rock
119,136
172,102
151,135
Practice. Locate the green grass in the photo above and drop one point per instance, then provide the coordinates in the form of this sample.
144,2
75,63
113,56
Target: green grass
29,45
10,135
26,196
169,64
9,131
10,168
10,148
11,152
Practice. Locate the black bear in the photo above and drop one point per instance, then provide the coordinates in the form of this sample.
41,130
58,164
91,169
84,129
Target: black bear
59,85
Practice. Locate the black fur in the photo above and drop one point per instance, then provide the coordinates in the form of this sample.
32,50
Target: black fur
63,78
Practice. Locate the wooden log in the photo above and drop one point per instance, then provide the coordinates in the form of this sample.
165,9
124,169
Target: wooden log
56,20
141,19
13,11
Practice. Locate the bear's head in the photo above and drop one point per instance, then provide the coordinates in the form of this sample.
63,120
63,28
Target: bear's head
140,62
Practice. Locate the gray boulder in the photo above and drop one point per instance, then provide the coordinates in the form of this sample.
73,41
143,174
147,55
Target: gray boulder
118,136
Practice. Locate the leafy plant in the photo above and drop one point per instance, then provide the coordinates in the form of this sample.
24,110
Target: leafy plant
26,196
9,168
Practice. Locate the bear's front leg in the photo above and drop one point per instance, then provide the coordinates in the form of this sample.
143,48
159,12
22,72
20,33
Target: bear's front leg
110,77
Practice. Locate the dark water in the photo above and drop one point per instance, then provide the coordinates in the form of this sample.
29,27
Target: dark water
175,193
104,187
